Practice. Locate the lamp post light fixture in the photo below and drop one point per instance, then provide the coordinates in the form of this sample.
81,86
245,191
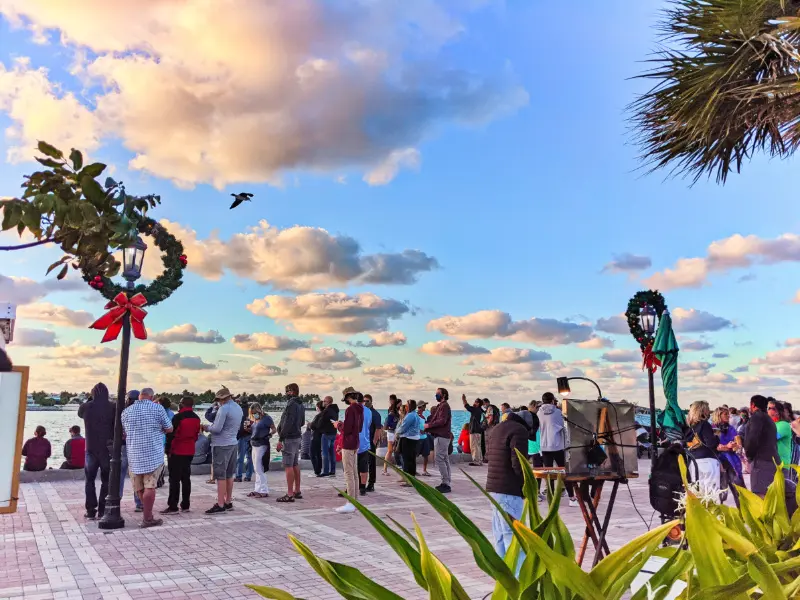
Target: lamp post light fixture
647,319
132,260
563,386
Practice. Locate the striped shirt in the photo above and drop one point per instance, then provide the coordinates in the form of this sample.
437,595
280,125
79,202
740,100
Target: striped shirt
145,423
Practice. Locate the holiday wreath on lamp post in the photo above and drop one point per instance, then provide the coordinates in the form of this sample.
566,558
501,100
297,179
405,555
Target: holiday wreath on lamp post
641,299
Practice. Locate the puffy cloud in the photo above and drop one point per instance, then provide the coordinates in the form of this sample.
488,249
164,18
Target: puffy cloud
497,324
331,313
40,338
742,369
734,252
55,315
315,381
489,372
78,351
451,348
620,355
22,290
515,356
447,381
170,379
327,358
764,381
616,324
695,345
697,321
383,338
792,342
297,258
720,355
40,110
266,342
597,343
158,354
722,378
389,371
627,263
187,333
695,368
261,87
406,158
261,370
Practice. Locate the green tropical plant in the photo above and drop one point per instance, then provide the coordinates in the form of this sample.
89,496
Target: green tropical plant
65,205
547,571
726,86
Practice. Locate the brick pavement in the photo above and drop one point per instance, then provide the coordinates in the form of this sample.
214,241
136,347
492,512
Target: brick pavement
50,551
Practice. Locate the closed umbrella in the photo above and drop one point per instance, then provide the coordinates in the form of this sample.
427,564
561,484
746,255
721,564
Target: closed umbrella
665,347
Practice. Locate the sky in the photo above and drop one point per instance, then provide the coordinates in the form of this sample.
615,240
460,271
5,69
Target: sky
446,193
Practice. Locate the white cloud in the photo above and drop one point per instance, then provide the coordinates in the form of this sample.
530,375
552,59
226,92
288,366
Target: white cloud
597,343
22,290
617,324
158,354
170,379
330,313
515,356
78,351
266,342
627,263
327,358
697,321
487,324
734,252
688,345
447,381
40,338
792,342
489,372
383,338
621,355
296,258
261,370
55,315
186,333
451,348
389,371
386,171
258,88
695,368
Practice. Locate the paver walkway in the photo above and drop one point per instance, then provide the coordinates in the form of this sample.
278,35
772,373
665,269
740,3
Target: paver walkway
50,551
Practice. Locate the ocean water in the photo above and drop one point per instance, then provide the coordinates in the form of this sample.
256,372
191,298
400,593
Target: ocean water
57,424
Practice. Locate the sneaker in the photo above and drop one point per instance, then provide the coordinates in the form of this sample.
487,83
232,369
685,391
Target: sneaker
90,515
169,510
237,480
153,523
347,508
184,509
370,488
138,509
444,489
248,479
215,509
229,506
474,464
573,502
362,491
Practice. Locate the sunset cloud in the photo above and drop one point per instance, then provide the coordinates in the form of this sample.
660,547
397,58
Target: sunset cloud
266,342
186,333
40,338
389,371
384,338
451,348
327,358
158,354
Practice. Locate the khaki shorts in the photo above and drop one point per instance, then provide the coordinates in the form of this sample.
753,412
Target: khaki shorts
146,481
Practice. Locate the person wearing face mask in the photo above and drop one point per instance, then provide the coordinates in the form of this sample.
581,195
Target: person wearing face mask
439,428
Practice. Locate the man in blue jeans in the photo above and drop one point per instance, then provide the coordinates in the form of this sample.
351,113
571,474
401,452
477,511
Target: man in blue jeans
330,415
98,419
245,451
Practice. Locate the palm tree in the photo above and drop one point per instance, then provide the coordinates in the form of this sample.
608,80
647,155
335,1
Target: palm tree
727,85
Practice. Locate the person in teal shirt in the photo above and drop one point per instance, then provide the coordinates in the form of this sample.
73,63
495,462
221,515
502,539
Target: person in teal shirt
785,438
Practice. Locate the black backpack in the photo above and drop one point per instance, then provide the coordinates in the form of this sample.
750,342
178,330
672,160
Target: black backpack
666,482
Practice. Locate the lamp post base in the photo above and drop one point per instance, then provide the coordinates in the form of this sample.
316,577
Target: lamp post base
111,519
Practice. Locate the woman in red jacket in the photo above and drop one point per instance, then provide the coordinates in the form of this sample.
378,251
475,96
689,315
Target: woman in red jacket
463,440
180,448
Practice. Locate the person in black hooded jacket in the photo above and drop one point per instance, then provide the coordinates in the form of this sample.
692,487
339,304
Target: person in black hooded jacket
327,429
98,418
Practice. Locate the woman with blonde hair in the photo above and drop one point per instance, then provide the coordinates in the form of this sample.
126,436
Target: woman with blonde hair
703,448
263,427
729,444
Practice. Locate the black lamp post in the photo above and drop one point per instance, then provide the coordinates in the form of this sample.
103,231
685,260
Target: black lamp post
647,319
132,258
563,386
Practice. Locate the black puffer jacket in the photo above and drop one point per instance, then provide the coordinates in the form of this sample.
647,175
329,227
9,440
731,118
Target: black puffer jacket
505,473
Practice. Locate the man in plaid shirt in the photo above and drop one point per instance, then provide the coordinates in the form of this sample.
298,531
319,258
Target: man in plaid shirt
145,422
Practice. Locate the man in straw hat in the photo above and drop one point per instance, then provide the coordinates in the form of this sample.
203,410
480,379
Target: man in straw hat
351,432
224,448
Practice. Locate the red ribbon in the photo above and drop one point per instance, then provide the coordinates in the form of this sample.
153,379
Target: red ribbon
650,361
112,320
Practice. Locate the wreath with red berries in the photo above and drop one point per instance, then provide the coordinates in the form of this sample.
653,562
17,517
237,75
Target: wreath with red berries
160,288
635,305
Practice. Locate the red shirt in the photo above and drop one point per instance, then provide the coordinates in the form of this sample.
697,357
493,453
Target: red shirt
353,423
75,452
463,440
185,429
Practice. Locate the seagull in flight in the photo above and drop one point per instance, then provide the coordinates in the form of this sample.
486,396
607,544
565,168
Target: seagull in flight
240,197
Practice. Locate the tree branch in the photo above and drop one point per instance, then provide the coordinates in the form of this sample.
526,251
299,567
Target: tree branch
30,245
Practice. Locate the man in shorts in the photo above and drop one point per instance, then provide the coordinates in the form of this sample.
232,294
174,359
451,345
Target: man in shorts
289,436
224,446
364,445
145,424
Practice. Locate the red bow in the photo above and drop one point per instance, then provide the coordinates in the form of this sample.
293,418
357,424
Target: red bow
650,361
112,320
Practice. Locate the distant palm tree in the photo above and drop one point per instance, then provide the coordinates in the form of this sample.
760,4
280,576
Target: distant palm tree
727,85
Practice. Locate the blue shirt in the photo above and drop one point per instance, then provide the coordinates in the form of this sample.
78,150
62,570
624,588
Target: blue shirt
422,421
262,431
226,425
363,437
144,423
409,427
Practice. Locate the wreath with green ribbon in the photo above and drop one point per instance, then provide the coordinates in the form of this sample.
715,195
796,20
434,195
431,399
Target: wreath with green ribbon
635,305
162,287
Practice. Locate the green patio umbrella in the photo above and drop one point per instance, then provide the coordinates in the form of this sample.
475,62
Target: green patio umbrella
665,347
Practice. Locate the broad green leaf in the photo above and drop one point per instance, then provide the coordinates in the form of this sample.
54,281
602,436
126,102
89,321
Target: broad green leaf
440,580
272,593
775,516
77,159
713,567
92,190
11,216
63,272
765,577
110,183
59,262
49,150
93,170
48,162
737,589
662,580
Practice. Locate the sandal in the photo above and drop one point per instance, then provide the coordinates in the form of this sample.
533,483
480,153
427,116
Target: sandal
426,474
285,498
254,495
298,496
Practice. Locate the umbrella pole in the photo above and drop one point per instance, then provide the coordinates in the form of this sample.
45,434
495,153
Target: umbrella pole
653,438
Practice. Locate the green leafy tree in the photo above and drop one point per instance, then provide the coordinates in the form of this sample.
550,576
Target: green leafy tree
726,86
66,397
65,205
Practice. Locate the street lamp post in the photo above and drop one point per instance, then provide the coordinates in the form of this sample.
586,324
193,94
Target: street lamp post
647,318
132,258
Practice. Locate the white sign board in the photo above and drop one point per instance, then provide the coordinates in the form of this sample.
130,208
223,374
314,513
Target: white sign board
13,401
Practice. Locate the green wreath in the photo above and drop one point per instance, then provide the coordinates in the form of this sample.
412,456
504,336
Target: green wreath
635,304
162,287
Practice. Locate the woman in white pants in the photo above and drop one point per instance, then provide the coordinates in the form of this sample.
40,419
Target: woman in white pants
703,448
263,427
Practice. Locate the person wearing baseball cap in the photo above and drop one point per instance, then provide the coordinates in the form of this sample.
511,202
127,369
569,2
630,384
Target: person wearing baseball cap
351,431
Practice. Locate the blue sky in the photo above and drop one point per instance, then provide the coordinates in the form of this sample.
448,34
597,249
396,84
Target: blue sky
519,178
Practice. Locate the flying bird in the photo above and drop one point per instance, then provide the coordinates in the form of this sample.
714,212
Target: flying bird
241,197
